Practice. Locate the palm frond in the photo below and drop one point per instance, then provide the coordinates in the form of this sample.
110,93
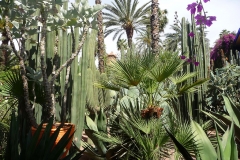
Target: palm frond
187,88
124,13
165,69
183,77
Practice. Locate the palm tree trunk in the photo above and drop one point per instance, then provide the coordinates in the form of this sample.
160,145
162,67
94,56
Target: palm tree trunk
129,32
100,40
155,26
5,54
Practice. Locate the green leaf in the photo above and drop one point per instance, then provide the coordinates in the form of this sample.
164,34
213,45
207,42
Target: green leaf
232,110
72,22
207,151
219,122
16,24
220,147
229,145
183,150
90,124
226,121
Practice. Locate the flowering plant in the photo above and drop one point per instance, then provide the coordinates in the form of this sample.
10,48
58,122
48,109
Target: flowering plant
197,10
200,19
189,60
224,43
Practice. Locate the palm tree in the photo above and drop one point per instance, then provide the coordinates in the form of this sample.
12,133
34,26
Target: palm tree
100,40
173,40
155,26
121,44
144,39
224,32
124,16
162,19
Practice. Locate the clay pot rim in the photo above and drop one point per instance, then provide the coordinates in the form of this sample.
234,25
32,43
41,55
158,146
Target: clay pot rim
66,126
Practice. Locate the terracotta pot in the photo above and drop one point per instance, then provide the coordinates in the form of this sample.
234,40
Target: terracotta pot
62,131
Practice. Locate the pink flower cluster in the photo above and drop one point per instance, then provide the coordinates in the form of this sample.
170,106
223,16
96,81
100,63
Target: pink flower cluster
189,60
224,43
200,19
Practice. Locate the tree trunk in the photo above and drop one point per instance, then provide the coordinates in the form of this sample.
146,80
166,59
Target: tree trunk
155,26
5,55
129,32
100,40
48,109
23,73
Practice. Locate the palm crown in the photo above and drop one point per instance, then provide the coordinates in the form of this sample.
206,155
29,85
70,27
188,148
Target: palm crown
124,16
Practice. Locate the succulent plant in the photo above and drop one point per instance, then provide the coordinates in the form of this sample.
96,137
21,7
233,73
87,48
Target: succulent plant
224,81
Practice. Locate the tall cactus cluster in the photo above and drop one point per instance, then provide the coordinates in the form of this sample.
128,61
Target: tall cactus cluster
50,54
75,85
196,49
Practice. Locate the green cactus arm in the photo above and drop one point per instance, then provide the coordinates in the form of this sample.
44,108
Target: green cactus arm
70,60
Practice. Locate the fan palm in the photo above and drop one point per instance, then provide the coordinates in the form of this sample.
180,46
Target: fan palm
155,78
124,16
135,138
12,90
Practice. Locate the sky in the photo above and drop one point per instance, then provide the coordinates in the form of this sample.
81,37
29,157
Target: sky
226,11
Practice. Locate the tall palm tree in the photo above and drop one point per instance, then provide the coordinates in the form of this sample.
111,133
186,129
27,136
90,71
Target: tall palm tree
155,26
173,40
162,19
100,40
144,39
125,16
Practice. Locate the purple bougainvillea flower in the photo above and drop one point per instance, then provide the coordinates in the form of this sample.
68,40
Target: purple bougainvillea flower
199,19
203,20
205,1
191,34
208,22
196,63
192,7
224,43
212,18
182,57
199,7
188,60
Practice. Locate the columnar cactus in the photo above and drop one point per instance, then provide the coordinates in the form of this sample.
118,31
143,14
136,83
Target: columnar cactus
197,52
56,48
